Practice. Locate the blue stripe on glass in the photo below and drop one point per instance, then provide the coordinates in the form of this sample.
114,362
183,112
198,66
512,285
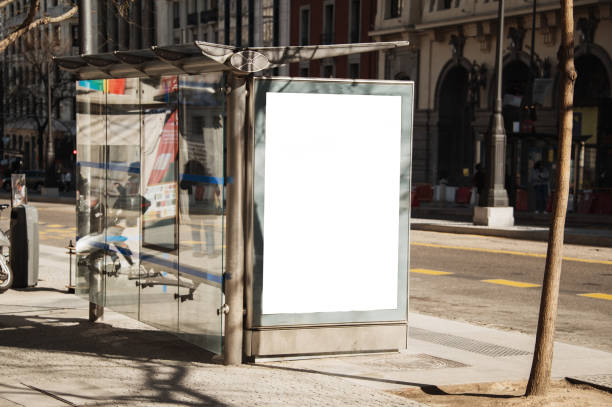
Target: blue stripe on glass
182,269
201,178
116,238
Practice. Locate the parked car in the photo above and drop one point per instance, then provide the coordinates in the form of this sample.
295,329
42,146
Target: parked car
35,180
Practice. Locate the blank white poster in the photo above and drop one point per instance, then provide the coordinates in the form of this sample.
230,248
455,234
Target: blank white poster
331,215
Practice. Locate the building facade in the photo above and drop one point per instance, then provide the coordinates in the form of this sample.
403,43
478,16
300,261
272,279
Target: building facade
453,61
320,22
242,23
27,75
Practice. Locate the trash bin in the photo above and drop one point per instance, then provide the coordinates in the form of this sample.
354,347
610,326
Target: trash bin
24,246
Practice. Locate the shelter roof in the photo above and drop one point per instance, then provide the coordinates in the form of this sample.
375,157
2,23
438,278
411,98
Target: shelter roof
200,57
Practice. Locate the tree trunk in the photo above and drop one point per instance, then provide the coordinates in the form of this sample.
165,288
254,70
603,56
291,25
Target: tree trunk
539,379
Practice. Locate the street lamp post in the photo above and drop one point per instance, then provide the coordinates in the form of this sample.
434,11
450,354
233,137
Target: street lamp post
493,209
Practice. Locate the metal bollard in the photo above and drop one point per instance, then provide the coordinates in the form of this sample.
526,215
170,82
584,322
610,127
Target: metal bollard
71,250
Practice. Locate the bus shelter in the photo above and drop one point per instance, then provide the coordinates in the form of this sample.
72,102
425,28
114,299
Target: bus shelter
254,216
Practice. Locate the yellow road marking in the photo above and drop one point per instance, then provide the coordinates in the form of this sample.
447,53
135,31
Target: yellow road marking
513,252
430,272
510,283
56,226
600,296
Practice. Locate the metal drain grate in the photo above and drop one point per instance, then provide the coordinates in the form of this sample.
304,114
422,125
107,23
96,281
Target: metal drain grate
470,345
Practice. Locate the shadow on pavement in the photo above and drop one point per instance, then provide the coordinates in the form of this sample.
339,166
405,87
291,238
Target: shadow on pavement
349,376
47,289
162,359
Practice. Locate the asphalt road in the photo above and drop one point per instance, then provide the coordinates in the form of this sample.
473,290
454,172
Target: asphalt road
56,222
468,294
460,292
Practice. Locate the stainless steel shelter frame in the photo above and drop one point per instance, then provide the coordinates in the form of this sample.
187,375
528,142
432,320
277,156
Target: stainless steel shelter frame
268,335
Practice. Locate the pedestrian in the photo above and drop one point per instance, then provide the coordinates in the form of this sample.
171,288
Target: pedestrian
479,181
67,180
540,185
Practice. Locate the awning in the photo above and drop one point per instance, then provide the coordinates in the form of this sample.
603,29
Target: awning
200,57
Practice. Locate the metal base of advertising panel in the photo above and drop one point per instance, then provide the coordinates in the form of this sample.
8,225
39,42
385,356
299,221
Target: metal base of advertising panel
323,340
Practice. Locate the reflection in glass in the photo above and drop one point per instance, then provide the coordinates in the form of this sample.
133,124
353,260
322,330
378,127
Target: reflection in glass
201,208
91,189
150,175
159,256
122,229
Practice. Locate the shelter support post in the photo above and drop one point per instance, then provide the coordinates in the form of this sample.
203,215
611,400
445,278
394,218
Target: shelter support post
95,312
249,208
234,274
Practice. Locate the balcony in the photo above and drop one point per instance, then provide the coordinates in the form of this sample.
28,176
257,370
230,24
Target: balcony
209,16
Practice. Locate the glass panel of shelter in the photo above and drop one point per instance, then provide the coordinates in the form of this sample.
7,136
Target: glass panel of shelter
91,190
122,230
201,220
151,175
159,252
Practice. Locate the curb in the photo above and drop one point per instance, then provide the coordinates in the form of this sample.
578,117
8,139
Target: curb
537,235
607,387
466,214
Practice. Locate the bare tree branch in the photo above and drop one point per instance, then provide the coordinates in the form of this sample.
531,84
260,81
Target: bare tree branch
34,6
29,23
5,3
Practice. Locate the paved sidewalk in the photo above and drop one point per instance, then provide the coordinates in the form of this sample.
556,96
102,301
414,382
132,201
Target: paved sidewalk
573,235
51,356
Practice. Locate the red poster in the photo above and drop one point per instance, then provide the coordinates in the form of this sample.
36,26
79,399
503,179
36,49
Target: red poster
166,151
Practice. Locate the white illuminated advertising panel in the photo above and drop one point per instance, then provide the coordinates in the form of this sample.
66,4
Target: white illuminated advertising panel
332,193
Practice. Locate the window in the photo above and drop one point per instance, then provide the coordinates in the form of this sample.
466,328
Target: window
355,16
57,33
328,71
269,21
354,71
328,24
192,13
444,4
304,26
393,8
75,35
304,72
176,22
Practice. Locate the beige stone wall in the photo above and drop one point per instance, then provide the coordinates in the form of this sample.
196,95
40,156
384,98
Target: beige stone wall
430,31
480,43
